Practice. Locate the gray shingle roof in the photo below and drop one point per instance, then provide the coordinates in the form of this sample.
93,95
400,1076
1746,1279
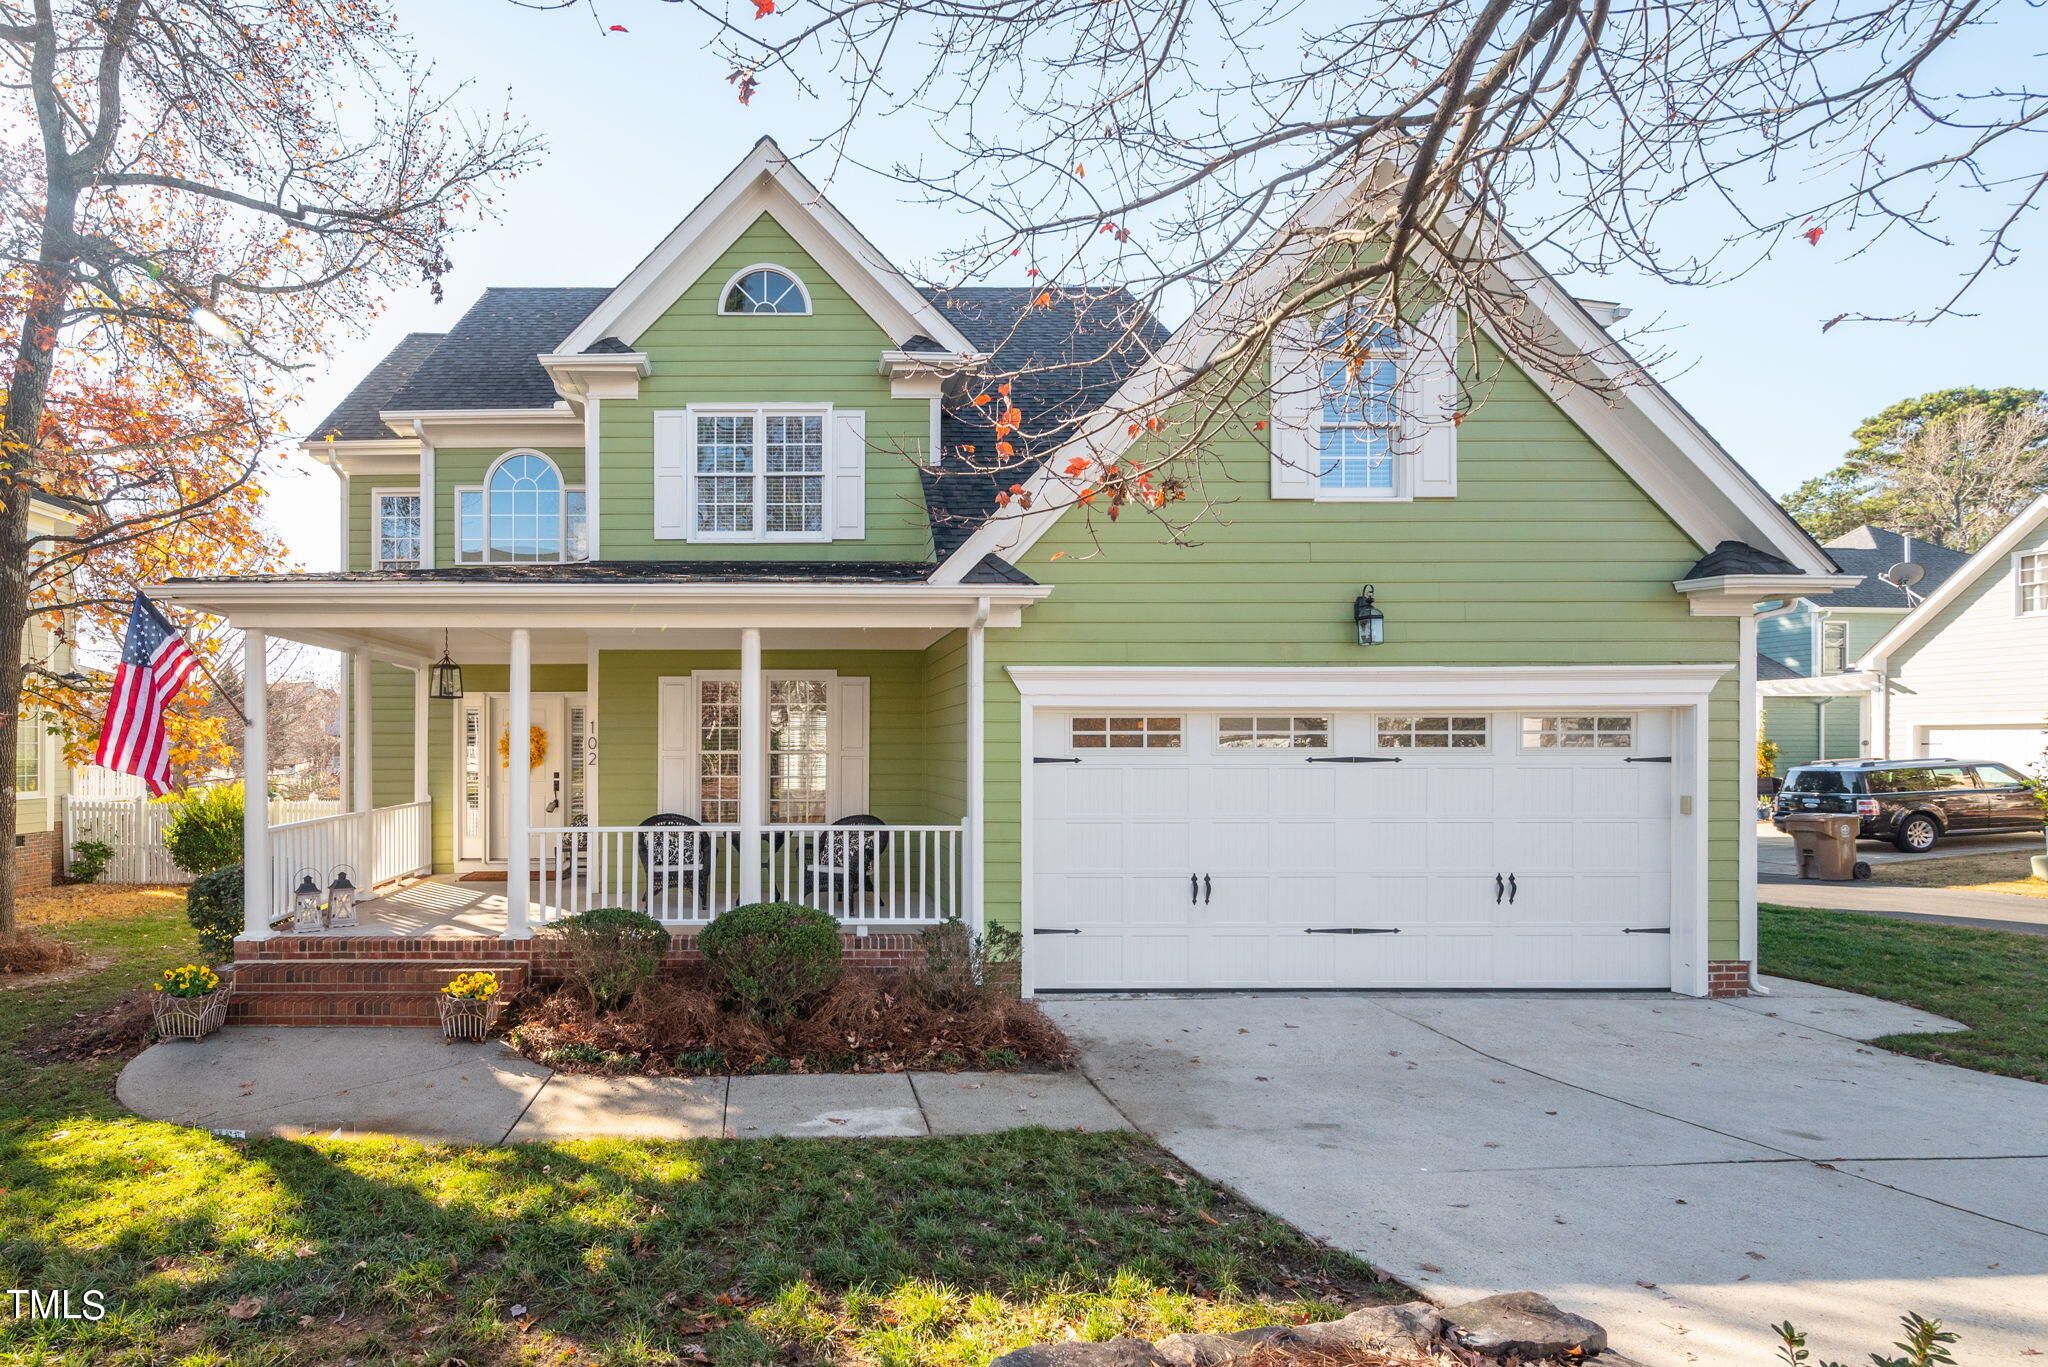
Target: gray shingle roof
618,572
1739,557
490,358
1063,361
1768,667
1870,551
355,417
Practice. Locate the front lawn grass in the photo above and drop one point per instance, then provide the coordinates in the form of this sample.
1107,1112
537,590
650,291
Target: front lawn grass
225,1253
1994,981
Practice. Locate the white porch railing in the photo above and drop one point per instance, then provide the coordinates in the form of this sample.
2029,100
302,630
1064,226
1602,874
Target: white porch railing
375,846
863,875
134,826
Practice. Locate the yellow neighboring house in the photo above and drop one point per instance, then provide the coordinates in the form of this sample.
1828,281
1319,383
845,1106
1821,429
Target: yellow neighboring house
41,777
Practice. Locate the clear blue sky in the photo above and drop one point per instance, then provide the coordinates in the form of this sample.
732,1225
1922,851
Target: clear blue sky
641,125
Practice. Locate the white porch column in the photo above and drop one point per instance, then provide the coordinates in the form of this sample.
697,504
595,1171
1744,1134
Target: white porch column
519,790
419,733
753,762
257,889
359,731
977,684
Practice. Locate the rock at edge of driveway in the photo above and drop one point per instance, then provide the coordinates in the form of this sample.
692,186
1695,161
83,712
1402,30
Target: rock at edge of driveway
1411,1327
1216,1350
1525,1324
1113,1353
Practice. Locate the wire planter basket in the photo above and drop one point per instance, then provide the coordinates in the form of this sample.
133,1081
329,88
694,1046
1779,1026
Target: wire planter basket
468,1017
190,1017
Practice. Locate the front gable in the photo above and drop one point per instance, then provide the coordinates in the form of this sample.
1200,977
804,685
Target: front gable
706,363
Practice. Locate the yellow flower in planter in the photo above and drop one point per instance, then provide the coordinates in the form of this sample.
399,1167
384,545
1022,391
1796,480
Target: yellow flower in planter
193,980
476,987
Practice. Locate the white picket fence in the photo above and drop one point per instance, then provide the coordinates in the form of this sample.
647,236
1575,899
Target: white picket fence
374,847
135,828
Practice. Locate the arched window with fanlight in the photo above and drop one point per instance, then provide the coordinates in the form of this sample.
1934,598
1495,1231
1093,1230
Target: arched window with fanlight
523,513
764,289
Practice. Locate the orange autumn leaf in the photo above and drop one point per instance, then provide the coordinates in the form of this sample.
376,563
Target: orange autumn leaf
980,400
763,8
1043,301
1005,449
1057,555
1004,389
1077,465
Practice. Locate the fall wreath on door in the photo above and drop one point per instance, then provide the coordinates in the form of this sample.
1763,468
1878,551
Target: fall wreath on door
536,747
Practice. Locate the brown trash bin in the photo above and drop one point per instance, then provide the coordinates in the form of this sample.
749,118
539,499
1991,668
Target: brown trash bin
1827,846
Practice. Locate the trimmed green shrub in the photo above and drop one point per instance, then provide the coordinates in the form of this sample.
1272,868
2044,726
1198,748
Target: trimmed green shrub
772,957
213,904
960,970
614,952
205,829
89,859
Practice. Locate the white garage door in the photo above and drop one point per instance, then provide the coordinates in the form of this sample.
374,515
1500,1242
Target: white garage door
2020,746
1351,849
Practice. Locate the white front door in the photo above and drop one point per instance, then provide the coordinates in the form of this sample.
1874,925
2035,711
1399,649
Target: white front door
1352,849
549,777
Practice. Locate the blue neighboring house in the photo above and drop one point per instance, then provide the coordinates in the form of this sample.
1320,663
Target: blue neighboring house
1815,704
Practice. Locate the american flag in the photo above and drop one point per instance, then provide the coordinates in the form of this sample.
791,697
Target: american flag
154,664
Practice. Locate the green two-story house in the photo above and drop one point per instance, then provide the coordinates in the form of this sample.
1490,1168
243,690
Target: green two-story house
767,574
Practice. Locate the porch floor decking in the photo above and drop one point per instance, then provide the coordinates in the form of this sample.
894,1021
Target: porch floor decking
435,907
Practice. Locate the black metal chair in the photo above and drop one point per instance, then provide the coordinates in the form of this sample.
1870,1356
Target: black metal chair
841,861
672,857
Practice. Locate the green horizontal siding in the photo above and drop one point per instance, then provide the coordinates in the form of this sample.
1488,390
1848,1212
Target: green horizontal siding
1549,555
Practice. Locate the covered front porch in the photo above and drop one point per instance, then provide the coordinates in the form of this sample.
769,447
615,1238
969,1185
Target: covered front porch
689,748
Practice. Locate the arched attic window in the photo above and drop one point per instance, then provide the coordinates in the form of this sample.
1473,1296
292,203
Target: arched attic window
765,289
522,514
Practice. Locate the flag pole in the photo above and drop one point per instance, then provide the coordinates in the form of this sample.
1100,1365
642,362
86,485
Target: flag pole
214,679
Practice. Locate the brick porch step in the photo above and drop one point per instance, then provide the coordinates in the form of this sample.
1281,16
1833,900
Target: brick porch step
298,990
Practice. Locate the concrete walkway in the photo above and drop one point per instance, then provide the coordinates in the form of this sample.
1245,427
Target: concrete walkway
344,1083
1942,906
1686,1172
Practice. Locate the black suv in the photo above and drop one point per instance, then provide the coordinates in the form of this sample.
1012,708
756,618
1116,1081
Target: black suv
1912,802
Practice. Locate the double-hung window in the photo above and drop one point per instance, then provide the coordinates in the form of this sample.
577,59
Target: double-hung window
523,513
1363,408
768,472
1834,647
760,474
398,529
2031,570
28,755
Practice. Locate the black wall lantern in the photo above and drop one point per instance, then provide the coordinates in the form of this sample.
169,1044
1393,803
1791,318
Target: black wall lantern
444,680
1372,623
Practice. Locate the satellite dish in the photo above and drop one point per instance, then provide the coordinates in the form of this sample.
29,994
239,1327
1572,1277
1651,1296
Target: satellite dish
1905,574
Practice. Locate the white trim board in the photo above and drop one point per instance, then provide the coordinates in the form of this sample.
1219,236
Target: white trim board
765,181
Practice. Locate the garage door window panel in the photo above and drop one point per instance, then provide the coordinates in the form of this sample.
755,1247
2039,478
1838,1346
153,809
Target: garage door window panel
1578,731
1412,732
1126,733
1272,732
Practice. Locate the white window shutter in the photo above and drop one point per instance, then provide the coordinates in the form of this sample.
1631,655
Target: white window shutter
848,719
676,745
846,499
671,477
1297,401
1430,400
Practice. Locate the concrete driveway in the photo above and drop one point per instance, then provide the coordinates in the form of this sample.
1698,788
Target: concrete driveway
1686,1172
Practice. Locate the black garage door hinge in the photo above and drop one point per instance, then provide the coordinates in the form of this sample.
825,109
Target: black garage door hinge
1354,759
1036,930
1055,759
1647,759
1646,930
1352,930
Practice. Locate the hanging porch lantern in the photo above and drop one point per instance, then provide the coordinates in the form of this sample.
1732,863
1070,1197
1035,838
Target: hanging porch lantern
341,901
306,905
444,678
1372,623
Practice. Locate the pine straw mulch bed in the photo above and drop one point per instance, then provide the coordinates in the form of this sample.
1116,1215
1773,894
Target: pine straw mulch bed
870,1022
118,1029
